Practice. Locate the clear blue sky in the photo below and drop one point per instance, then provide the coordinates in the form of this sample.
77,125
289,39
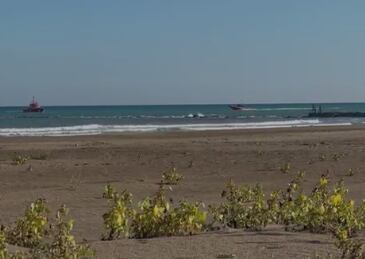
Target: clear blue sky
187,51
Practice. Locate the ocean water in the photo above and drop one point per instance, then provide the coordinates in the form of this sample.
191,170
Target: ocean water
89,120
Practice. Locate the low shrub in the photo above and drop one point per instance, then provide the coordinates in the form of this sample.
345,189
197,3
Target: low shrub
285,169
324,210
30,229
116,220
45,239
62,243
244,207
171,177
19,159
3,249
156,217
153,216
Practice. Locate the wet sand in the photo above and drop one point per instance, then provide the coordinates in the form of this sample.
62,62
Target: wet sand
74,171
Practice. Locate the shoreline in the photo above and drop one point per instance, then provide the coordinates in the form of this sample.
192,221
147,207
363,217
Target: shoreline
177,133
35,134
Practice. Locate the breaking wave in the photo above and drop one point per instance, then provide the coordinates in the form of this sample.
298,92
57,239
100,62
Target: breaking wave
96,129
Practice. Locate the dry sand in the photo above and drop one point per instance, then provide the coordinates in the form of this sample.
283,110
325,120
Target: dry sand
74,171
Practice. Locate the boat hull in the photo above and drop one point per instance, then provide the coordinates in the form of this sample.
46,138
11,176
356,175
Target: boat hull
239,108
33,110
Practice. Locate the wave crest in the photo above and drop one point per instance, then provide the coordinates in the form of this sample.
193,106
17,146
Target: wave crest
95,129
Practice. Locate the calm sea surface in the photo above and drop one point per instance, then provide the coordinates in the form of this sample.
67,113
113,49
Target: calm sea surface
88,120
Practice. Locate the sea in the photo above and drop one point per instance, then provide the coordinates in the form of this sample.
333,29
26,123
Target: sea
93,120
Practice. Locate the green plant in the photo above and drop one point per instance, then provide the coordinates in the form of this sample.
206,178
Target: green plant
350,248
19,159
156,217
63,244
152,218
350,172
285,169
187,219
3,249
336,157
116,220
44,239
4,253
337,211
324,210
32,227
245,207
283,205
171,177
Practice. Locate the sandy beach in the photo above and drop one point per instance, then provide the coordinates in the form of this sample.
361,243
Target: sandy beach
74,171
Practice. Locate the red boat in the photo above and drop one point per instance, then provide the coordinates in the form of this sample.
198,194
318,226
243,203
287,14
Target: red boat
33,107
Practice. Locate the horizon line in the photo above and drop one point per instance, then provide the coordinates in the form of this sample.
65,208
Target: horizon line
180,104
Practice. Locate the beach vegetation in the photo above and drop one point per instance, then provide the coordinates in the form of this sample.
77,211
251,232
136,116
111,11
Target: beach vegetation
3,249
152,217
350,172
322,157
116,220
19,159
156,216
244,207
62,243
171,177
30,229
336,157
285,169
323,210
42,237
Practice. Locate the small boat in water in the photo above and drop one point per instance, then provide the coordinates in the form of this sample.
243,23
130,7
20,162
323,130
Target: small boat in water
34,107
239,107
196,115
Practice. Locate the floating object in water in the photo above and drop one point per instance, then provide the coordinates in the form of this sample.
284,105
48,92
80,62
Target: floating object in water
196,115
33,107
239,107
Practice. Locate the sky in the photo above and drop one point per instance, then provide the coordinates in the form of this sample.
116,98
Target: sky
92,52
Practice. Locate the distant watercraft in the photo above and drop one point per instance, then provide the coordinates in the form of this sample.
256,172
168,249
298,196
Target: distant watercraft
239,107
33,107
196,115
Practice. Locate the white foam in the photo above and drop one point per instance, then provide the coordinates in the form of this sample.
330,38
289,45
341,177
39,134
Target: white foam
284,109
95,129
